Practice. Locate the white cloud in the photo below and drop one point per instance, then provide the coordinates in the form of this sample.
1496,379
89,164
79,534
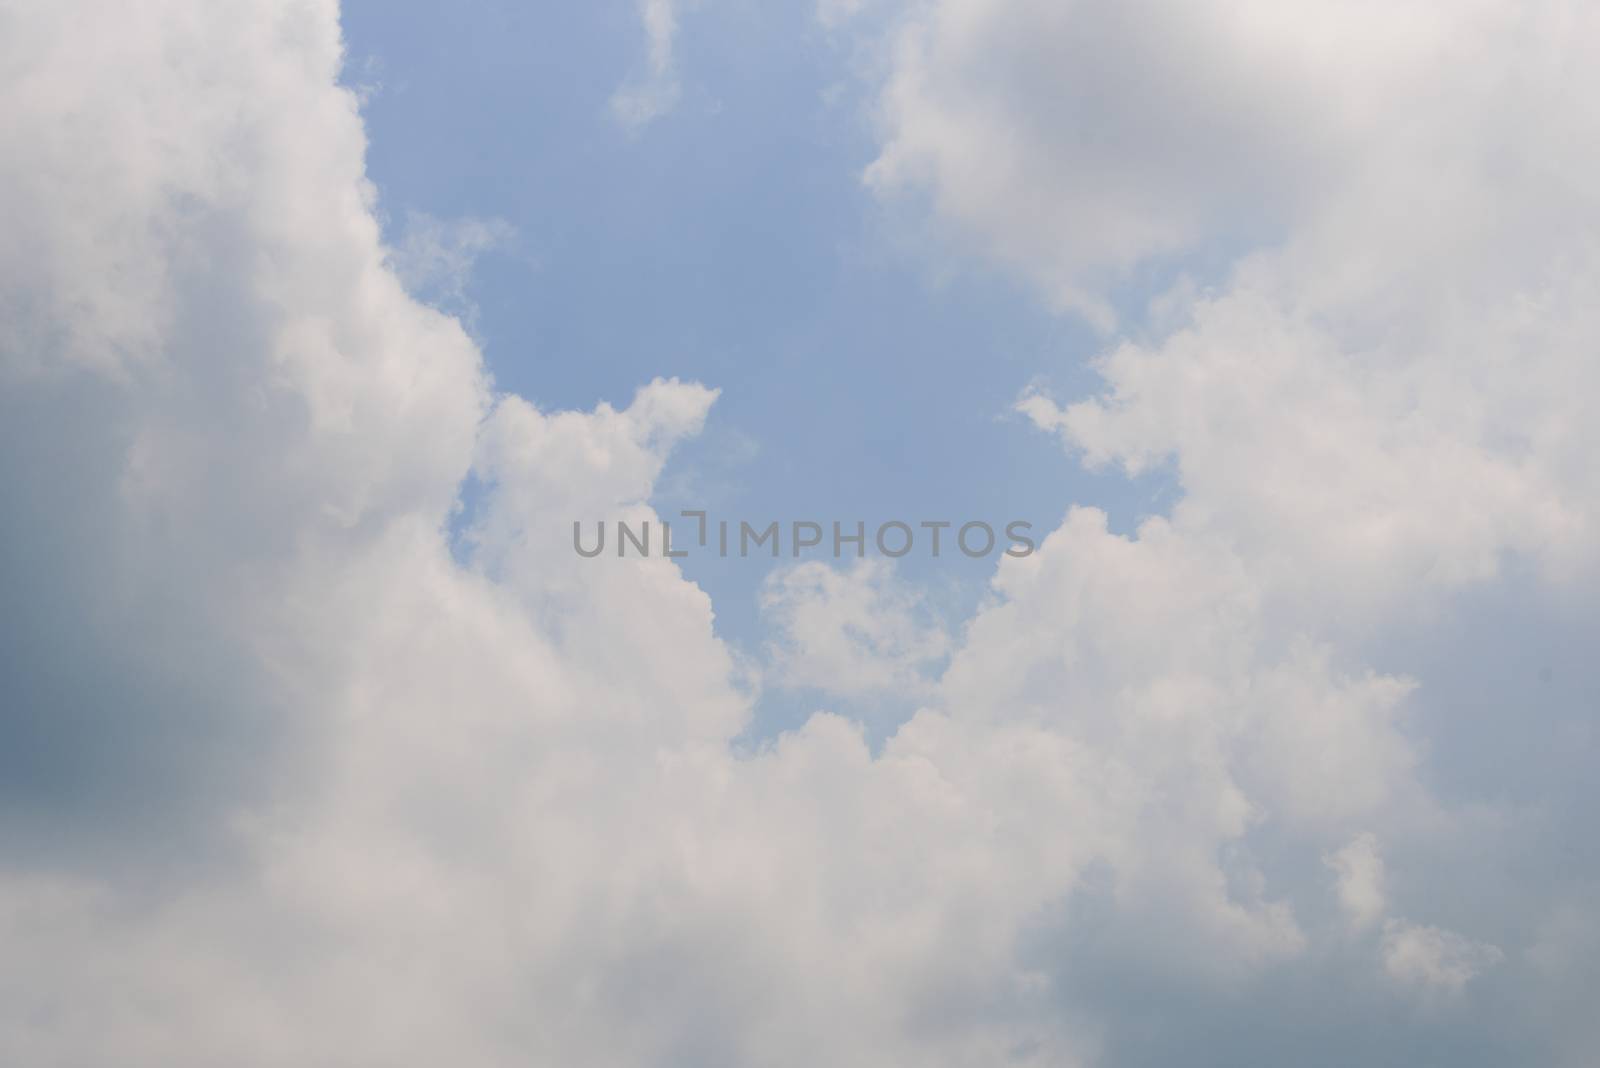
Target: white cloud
642,100
1080,141
435,258
851,633
1433,958
503,818
1369,397
1381,387
1359,868
1429,958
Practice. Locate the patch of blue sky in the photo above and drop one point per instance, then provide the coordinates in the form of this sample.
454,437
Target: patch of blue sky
731,242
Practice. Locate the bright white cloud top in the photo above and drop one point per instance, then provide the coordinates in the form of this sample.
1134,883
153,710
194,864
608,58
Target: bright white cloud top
342,794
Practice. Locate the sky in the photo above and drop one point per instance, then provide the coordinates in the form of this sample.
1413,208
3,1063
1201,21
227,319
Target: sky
321,324
865,373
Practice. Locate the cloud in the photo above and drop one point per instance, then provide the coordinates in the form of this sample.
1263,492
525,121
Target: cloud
855,632
1081,142
1430,958
1434,958
1362,381
435,258
642,100
1360,881
492,804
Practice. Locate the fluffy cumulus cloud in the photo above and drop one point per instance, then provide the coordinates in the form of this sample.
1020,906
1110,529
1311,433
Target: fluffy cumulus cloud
292,779
1374,407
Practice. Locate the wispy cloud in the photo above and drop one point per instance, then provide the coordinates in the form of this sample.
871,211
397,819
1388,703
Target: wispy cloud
646,97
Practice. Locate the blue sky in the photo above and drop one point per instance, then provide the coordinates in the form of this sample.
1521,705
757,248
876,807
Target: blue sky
866,372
